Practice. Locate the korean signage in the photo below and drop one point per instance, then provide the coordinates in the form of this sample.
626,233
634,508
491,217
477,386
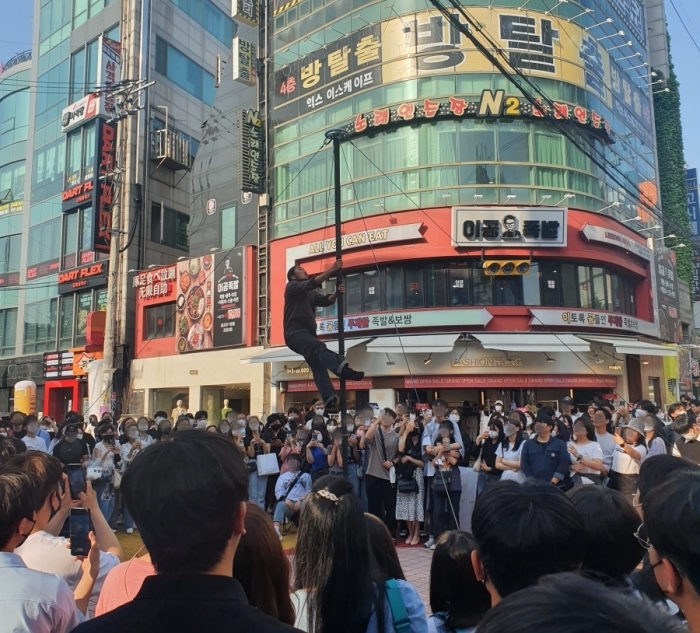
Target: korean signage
97,192
691,183
615,238
252,152
686,307
20,58
490,227
245,11
91,276
14,206
406,319
82,361
490,105
92,105
668,296
9,279
58,365
598,319
300,386
630,103
156,285
229,299
351,241
632,14
524,381
244,62
696,274
44,269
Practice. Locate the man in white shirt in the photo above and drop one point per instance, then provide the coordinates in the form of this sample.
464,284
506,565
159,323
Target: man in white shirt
291,489
32,600
32,440
44,550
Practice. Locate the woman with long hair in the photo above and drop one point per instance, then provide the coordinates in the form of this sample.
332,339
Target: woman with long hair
262,568
106,455
627,458
485,448
586,455
339,586
508,451
457,599
383,548
410,487
656,443
257,443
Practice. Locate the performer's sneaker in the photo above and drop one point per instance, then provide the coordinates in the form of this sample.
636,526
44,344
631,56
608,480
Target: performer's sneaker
351,374
331,401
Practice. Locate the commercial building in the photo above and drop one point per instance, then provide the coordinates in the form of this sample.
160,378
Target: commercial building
494,248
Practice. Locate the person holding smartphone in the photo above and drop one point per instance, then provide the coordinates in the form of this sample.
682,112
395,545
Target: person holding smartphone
316,449
127,454
107,456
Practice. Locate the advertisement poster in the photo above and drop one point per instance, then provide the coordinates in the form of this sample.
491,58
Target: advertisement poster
195,316
668,297
228,298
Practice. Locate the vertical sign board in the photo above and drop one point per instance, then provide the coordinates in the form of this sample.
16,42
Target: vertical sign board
244,62
668,296
252,152
104,190
110,64
691,182
245,11
229,283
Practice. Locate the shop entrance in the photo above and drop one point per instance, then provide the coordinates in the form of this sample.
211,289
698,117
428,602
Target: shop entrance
238,397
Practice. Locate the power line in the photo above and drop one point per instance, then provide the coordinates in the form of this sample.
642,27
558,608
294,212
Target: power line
685,27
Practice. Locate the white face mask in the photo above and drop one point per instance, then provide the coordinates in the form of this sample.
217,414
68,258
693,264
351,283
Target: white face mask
202,424
640,413
318,437
254,426
688,437
133,433
351,428
454,418
143,427
225,428
498,408
331,428
80,435
320,411
493,434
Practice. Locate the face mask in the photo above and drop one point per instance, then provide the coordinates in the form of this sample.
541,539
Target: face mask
254,426
32,428
133,433
454,418
109,439
275,427
319,411
3,433
509,429
71,438
498,408
555,432
143,427
493,434
80,435
688,437
640,413
351,428
225,428
202,424
331,428
159,419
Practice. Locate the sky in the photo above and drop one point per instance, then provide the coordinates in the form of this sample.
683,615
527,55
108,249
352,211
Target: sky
16,36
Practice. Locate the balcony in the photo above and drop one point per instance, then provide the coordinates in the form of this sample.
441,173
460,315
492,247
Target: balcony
170,150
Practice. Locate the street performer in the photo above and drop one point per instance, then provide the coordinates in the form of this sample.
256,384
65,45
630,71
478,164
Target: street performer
301,298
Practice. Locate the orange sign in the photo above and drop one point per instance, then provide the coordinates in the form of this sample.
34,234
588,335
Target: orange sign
82,361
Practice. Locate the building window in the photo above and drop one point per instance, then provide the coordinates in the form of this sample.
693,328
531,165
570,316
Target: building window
184,72
65,322
459,285
12,181
40,326
160,321
228,227
8,331
10,247
80,155
83,70
210,17
77,239
83,306
43,243
169,227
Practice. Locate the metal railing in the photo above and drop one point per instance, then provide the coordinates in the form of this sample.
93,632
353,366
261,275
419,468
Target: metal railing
171,149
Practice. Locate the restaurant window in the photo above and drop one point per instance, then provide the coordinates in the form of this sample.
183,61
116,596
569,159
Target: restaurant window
509,290
8,331
414,288
80,155
9,253
77,239
585,292
82,309
373,291
551,284
353,293
65,322
459,285
481,286
394,287
532,294
160,321
40,326
436,286
598,278
569,286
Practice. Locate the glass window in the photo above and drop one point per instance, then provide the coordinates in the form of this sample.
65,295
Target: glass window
513,142
228,227
8,331
209,16
548,148
88,162
436,286
74,147
83,307
459,285
394,288
569,285
101,300
169,227
531,286
91,66
184,72
65,324
160,321
353,293
70,240
372,291
43,245
551,285
86,230
585,291
509,290
476,141
481,286
599,300
77,75
415,288
40,326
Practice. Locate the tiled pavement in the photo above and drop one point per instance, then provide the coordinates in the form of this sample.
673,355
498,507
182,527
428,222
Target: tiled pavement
415,562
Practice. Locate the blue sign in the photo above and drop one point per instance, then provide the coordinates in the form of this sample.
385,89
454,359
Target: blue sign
691,181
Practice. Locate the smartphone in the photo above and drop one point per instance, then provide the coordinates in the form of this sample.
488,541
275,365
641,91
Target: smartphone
76,479
623,403
79,530
368,421
428,413
412,417
382,411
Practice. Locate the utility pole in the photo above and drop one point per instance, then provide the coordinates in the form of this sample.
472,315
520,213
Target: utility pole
337,136
126,97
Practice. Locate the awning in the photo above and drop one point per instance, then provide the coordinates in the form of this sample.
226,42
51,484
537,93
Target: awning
633,346
285,355
425,344
532,342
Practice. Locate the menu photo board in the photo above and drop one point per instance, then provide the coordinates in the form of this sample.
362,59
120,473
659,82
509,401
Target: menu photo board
58,365
229,298
195,317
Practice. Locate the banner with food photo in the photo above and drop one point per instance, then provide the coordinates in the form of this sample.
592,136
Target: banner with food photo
195,318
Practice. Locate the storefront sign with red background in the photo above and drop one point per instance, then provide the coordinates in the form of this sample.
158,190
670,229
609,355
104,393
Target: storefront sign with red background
300,386
523,381
156,285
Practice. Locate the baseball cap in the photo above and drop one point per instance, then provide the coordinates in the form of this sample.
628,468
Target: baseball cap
71,428
498,402
635,424
567,400
440,402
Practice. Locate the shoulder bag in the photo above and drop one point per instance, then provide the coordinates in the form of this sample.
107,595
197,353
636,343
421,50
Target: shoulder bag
399,615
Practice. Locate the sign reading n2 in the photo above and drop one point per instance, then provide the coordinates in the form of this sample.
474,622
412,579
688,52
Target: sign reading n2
252,152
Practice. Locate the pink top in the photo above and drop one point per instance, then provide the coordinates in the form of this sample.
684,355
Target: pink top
122,584
286,450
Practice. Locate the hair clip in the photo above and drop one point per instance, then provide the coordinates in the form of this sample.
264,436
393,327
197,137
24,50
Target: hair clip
327,495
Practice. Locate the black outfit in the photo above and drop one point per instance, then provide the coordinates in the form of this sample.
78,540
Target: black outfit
89,440
446,498
689,450
300,302
19,434
182,604
70,452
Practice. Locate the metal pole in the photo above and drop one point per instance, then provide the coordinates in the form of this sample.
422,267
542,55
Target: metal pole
337,136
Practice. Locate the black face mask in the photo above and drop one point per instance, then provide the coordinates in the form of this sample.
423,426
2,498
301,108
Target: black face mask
108,438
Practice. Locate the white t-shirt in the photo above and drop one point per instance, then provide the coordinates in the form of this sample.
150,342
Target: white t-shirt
624,464
44,552
35,444
512,455
608,446
591,450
